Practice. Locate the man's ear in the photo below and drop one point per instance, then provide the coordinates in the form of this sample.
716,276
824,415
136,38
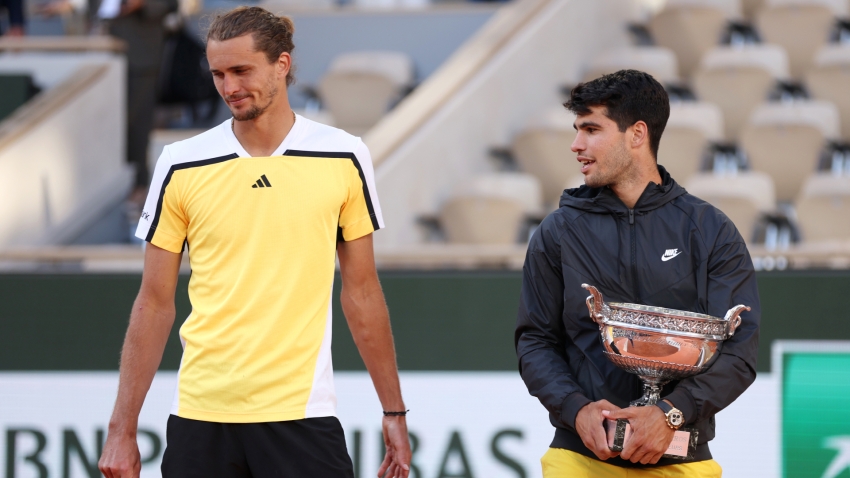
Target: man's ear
284,63
640,135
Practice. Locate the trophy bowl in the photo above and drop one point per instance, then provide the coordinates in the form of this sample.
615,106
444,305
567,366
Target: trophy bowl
659,344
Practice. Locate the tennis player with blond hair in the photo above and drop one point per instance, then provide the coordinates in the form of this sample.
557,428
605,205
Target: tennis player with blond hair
262,204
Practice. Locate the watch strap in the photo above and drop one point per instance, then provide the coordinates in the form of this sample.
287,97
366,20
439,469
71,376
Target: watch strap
664,406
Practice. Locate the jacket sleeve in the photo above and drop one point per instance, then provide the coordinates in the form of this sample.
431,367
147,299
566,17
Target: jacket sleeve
731,281
540,336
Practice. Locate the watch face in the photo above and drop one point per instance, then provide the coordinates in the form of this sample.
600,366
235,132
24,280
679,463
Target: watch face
675,418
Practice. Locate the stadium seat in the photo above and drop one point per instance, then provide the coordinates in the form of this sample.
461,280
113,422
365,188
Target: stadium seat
829,80
731,8
574,181
800,29
690,128
543,149
690,29
751,7
839,8
659,62
737,79
743,197
520,187
491,208
823,209
481,220
360,87
785,140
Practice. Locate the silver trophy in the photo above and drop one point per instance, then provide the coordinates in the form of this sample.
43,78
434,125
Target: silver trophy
659,345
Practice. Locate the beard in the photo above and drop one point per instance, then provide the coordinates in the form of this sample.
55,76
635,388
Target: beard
255,111
618,167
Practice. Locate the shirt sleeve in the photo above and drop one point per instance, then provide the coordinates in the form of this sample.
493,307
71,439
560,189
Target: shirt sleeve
361,213
731,281
540,338
164,222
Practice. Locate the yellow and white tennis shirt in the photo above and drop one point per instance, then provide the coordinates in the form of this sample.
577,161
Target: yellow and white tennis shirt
261,235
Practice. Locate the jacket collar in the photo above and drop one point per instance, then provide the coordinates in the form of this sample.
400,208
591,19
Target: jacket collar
603,200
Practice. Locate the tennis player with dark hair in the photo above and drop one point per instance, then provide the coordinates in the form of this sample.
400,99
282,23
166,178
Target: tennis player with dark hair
262,203
641,238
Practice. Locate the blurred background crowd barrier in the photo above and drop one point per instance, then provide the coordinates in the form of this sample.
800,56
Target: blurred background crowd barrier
459,103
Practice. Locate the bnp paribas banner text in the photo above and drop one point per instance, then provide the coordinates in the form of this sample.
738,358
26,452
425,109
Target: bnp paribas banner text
462,425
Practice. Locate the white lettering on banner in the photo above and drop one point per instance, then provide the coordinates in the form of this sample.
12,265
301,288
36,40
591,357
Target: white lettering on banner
462,424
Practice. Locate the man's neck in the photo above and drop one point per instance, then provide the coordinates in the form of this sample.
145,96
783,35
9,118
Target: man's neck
630,190
262,135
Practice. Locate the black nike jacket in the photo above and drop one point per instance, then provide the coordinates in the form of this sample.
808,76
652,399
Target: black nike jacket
671,250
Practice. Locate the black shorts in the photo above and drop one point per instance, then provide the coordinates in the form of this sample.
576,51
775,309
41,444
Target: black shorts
312,447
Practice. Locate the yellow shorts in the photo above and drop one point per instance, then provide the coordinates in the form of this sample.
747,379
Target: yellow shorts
560,463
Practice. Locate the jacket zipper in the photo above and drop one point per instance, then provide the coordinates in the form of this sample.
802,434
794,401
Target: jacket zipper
634,254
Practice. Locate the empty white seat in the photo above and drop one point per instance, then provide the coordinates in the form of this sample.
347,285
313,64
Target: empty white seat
750,7
731,8
543,149
801,29
823,209
490,208
689,30
743,197
520,187
699,115
819,114
785,140
839,8
737,79
829,79
771,58
659,62
574,181
396,66
833,55
359,87
481,220
690,128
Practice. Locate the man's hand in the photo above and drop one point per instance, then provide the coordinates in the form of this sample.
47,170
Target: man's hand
366,311
651,436
590,425
397,460
150,323
120,458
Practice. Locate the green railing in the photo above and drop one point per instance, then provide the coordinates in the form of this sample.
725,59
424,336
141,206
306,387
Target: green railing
441,320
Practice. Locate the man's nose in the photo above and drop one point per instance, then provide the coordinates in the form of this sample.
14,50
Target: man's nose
578,144
230,86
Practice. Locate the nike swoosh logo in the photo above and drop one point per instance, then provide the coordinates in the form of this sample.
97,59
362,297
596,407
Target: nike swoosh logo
667,258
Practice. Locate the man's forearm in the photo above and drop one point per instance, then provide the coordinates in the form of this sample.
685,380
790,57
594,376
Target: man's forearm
141,355
369,322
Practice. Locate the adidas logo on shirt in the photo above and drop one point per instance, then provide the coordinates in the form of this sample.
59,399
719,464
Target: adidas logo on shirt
263,182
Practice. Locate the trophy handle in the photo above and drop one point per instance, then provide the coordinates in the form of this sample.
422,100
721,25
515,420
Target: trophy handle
594,303
734,317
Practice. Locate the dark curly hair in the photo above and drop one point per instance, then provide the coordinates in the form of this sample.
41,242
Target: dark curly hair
628,96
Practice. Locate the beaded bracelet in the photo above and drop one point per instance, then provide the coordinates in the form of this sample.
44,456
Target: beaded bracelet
396,414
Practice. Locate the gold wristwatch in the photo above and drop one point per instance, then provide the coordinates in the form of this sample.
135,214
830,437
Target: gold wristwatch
675,419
